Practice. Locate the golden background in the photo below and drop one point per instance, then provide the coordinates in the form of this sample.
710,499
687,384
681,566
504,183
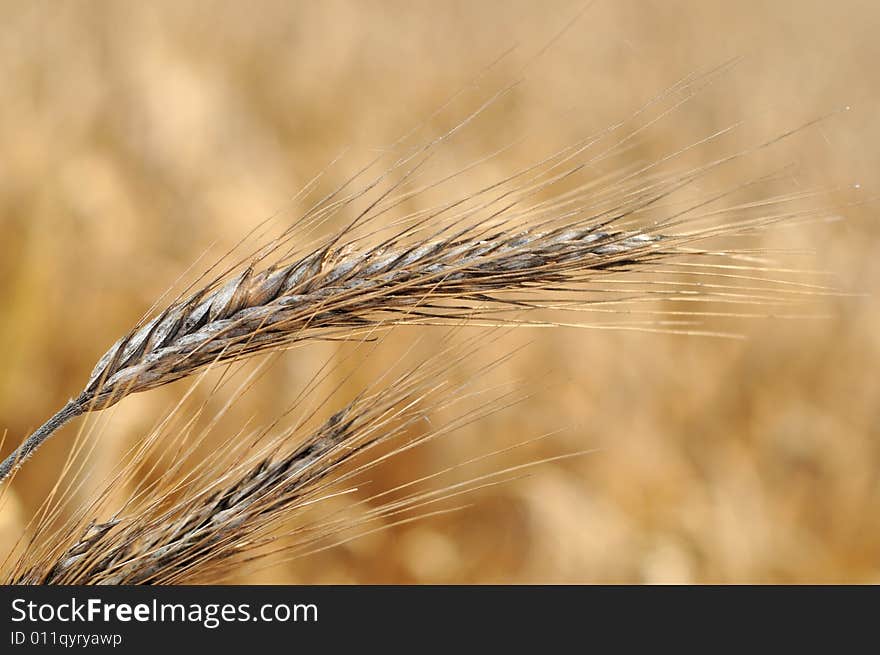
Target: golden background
133,136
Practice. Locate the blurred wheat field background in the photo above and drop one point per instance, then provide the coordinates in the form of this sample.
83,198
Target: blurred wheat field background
135,136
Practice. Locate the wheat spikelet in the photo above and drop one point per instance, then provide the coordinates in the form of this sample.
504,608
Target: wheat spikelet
333,293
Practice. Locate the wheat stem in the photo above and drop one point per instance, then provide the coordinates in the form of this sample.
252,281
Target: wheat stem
71,410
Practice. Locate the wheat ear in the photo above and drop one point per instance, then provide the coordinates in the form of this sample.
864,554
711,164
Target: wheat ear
197,526
451,262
